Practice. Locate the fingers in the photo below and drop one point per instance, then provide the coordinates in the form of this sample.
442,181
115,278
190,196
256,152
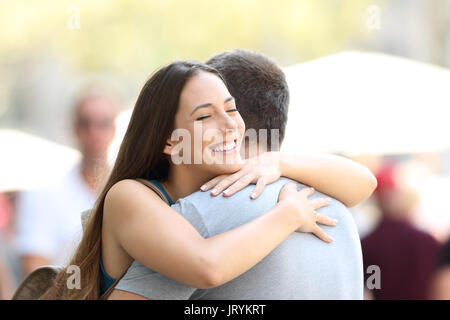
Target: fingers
323,219
307,191
320,202
290,185
319,233
239,185
286,190
260,184
225,182
211,183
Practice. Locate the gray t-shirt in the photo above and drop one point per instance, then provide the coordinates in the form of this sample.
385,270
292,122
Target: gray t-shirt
301,267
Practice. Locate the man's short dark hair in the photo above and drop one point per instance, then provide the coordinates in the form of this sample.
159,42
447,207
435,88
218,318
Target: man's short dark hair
259,87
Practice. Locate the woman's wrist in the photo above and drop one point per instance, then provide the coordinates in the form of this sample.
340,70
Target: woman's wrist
287,209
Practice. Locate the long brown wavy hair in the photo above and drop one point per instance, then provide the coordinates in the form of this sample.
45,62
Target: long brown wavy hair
140,156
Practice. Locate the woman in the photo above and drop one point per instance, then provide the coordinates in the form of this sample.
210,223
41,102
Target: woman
130,222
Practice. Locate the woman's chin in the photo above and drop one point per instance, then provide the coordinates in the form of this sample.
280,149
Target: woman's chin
227,168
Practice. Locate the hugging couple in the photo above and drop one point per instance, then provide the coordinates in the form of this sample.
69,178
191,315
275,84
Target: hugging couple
261,225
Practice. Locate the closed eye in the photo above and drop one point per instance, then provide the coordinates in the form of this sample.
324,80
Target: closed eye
207,116
201,118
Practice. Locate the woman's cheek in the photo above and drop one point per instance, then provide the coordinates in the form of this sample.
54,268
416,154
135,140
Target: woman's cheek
196,143
208,134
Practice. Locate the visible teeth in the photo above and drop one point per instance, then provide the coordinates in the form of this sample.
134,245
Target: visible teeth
226,147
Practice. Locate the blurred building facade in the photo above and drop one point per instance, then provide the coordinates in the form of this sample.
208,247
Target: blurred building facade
416,29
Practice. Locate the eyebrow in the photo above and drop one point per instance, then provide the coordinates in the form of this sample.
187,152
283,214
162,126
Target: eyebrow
205,105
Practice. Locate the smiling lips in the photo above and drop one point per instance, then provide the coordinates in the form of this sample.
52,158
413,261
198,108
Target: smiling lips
225,147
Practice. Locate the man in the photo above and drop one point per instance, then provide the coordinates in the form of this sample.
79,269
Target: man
48,219
440,289
407,257
302,267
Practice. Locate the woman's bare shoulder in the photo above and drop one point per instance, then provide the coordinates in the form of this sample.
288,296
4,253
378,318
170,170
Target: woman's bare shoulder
125,186
129,194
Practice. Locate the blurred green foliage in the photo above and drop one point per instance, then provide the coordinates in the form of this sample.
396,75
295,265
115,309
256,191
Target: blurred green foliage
134,37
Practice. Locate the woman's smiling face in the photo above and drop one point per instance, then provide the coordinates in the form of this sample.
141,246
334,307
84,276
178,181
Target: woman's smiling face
207,114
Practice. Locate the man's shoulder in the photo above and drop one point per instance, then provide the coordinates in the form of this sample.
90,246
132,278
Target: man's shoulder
317,194
202,200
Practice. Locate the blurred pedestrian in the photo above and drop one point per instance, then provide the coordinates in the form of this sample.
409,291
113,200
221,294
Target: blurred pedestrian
48,219
407,257
7,281
441,283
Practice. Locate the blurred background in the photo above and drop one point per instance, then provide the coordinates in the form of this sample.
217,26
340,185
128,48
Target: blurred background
375,74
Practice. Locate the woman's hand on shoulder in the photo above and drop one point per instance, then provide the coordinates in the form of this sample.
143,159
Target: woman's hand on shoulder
306,210
260,170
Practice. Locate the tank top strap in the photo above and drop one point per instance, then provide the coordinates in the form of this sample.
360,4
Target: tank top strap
160,187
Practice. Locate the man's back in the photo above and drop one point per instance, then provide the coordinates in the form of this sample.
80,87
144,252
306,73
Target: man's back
301,267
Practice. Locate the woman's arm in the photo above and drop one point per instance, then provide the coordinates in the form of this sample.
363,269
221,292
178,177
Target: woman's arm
338,177
157,236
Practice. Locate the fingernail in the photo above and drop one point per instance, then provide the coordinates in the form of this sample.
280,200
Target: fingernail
253,195
226,191
203,187
214,191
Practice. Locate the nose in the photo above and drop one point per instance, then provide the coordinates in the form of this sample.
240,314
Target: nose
228,124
